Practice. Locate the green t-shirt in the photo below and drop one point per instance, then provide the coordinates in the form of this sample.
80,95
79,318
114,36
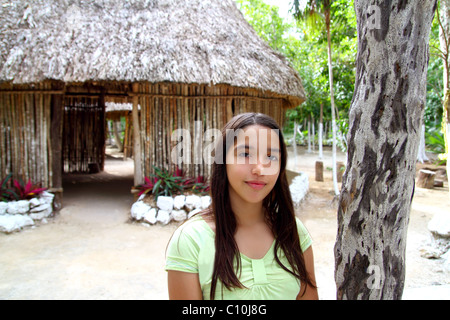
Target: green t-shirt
192,249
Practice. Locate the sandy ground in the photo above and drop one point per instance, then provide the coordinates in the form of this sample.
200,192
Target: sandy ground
424,279
90,250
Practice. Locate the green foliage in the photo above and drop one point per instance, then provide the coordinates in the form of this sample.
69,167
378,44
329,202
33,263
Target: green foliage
162,183
27,190
341,141
198,185
267,23
434,139
311,14
168,184
19,190
435,82
7,193
303,41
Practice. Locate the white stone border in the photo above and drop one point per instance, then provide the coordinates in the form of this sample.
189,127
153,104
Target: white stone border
180,208
177,208
15,215
299,188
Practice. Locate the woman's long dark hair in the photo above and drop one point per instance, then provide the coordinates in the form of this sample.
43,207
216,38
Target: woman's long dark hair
278,205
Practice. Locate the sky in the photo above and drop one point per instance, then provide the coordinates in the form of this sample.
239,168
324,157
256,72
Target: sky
283,5
283,11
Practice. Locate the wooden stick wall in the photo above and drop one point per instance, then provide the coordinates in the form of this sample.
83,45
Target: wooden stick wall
84,133
25,145
26,125
165,108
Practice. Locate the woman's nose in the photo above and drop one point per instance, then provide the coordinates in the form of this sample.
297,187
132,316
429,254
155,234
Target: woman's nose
258,168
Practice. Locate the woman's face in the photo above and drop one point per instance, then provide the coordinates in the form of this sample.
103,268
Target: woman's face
253,163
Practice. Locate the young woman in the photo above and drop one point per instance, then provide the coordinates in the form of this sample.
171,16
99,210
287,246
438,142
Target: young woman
248,244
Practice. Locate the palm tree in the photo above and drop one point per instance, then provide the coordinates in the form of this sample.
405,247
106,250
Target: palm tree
314,12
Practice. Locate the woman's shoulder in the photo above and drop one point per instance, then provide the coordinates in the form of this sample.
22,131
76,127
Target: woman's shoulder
195,229
188,240
299,223
305,237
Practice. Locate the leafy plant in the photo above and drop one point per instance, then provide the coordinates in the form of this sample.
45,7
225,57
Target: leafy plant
167,184
435,141
162,183
198,185
147,186
342,125
19,190
6,193
27,190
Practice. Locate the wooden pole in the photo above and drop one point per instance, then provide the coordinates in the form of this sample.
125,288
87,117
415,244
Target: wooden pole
319,171
426,179
57,117
138,178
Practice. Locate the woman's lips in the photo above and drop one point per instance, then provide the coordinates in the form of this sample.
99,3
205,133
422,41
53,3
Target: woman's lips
257,185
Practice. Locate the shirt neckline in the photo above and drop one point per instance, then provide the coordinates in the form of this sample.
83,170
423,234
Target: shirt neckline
267,254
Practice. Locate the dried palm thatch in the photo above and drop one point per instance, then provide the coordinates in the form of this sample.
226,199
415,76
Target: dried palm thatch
182,41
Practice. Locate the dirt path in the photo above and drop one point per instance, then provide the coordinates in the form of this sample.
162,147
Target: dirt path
425,279
91,251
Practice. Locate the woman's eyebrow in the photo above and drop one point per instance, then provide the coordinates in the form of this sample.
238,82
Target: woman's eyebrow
242,146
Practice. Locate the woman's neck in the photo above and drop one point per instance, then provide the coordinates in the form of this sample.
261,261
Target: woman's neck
247,214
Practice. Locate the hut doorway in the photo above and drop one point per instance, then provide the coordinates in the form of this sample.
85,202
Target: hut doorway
119,128
94,171
84,134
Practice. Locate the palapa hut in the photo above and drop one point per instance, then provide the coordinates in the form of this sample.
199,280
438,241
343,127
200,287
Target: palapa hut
180,61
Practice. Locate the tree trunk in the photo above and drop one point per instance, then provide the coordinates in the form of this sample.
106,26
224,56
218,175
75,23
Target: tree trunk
426,179
294,145
309,135
116,130
333,108
340,170
321,132
422,155
385,117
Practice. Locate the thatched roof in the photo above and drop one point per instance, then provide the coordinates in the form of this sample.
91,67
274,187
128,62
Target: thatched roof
184,41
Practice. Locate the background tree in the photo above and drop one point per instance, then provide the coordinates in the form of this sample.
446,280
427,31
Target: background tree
444,37
433,120
385,118
306,50
311,11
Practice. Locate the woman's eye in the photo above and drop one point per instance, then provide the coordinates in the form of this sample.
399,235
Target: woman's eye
272,158
244,154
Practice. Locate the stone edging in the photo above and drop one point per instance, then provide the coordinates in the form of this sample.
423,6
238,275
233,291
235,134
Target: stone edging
181,207
15,215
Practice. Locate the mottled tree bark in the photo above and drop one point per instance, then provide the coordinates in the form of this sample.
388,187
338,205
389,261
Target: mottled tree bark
385,119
